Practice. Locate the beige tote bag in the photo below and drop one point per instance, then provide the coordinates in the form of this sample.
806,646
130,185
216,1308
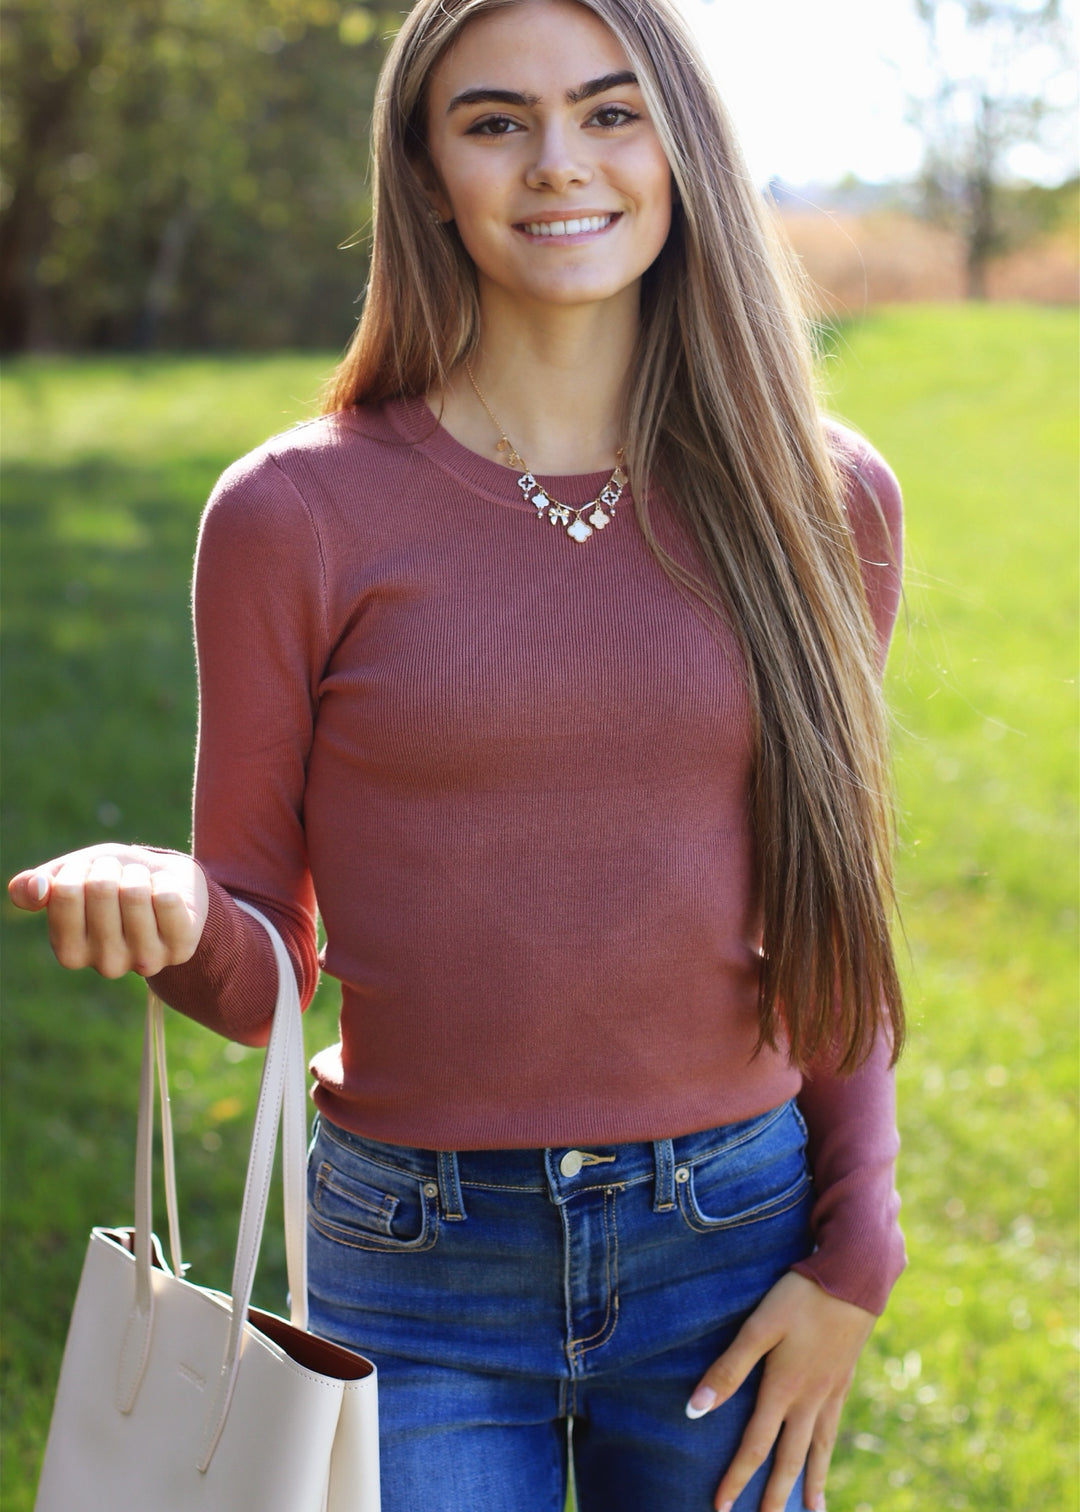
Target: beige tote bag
176,1398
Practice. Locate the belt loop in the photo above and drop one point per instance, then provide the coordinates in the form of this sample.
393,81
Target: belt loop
453,1208
664,1193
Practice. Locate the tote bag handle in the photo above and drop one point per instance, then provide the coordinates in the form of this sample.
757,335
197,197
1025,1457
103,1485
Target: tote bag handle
282,1095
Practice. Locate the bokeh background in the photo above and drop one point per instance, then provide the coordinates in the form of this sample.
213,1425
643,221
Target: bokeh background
183,197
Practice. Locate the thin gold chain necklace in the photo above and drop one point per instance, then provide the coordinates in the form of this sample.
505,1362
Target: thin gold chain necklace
602,507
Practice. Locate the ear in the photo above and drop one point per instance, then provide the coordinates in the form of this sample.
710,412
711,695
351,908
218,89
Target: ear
434,192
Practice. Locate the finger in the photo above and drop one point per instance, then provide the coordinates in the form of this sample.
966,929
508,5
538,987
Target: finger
106,945
175,923
755,1446
727,1373
760,1438
67,915
820,1457
146,954
30,889
791,1453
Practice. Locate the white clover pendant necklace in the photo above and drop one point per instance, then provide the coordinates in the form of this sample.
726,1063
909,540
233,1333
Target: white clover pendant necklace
580,523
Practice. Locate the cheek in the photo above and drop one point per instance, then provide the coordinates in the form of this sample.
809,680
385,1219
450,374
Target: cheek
472,215
663,188
650,173
469,197
664,206
460,182
660,200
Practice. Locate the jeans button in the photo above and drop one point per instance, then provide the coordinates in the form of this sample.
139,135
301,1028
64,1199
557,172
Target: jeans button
571,1163
682,1174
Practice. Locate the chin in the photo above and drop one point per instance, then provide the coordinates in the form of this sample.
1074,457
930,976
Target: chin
567,294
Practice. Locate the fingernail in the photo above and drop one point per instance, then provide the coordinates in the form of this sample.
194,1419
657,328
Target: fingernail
819,1502
699,1404
725,1506
39,885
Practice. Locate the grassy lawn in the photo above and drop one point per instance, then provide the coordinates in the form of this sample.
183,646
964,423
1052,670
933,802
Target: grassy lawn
967,1395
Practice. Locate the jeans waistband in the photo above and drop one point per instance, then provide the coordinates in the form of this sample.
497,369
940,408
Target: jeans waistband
559,1170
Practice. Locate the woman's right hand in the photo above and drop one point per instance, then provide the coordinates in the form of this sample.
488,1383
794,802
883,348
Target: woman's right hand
118,908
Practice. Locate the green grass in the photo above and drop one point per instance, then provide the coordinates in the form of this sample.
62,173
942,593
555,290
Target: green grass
966,1397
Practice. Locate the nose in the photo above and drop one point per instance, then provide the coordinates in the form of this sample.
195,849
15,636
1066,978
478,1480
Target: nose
557,165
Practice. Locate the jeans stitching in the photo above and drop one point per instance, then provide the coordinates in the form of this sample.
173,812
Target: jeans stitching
450,1187
499,1186
424,1240
568,1310
361,1154
324,1181
733,1144
664,1160
341,1234
581,1347
781,1204
326,1130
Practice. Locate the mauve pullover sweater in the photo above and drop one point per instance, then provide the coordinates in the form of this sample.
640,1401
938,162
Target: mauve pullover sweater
512,771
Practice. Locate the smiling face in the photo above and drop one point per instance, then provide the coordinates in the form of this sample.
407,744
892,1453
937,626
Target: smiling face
543,154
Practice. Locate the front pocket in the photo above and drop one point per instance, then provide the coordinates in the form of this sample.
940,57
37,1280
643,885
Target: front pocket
399,1213
752,1179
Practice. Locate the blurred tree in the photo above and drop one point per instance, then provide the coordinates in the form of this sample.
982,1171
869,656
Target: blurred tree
183,172
999,79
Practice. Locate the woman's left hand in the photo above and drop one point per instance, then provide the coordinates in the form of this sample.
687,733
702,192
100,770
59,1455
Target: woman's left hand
811,1342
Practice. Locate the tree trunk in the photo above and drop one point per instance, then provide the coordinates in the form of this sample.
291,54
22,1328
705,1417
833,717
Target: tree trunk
165,275
982,238
983,229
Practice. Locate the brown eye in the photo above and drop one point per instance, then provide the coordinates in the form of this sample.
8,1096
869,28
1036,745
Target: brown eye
610,116
493,126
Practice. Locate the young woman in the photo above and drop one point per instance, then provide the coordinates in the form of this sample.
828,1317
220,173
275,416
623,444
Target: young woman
546,666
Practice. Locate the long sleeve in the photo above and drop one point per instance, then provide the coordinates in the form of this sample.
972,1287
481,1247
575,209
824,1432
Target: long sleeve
853,1146
260,628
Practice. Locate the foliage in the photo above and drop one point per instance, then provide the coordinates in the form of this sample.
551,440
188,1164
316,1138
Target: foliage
966,1398
1040,209
1000,77
183,172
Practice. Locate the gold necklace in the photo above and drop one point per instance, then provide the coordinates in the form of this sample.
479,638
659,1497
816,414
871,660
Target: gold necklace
557,513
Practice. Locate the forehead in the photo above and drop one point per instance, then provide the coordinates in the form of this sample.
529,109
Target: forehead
531,45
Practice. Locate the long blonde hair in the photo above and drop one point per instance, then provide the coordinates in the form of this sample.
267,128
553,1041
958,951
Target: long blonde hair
722,417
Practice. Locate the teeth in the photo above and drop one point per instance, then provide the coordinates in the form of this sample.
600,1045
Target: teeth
568,228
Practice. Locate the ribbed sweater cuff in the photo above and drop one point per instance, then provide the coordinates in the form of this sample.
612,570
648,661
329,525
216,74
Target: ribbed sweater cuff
233,964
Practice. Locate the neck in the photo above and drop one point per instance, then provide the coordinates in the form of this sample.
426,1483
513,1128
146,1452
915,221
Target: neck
556,382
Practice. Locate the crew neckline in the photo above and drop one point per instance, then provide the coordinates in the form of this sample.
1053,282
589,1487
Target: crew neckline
413,420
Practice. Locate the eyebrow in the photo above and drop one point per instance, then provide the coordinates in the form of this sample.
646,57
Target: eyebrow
488,96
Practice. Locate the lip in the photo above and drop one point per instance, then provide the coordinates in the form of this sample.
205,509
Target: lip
562,217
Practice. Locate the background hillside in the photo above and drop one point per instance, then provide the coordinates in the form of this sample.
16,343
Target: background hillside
865,245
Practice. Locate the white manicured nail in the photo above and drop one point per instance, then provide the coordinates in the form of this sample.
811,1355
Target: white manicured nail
39,885
702,1401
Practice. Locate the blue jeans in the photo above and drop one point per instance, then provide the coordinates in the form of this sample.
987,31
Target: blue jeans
502,1293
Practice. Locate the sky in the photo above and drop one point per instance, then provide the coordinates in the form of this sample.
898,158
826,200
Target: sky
819,88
